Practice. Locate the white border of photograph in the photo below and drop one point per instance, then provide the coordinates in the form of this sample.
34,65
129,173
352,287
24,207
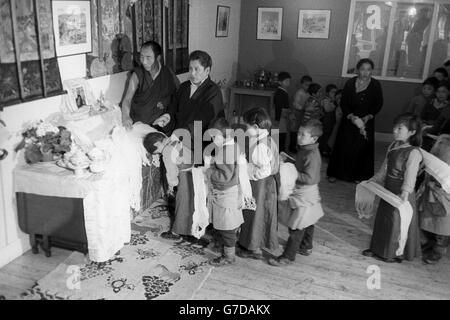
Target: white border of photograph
83,6
314,35
222,33
266,35
71,87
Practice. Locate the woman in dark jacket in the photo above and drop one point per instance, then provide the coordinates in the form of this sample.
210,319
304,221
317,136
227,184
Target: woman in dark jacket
354,152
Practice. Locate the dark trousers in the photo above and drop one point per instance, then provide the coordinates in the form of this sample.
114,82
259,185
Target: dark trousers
437,243
307,241
171,206
293,142
298,239
328,121
282,140
227,237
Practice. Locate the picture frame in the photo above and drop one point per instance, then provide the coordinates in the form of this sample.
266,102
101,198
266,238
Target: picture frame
222,21
269,23
72,27
314,24
79,94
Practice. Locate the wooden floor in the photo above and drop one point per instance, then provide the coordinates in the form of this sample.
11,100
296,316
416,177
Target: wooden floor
335,270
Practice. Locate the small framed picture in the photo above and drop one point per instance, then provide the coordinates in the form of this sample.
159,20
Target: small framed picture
270,22
79,94
222,21
314,24
72,27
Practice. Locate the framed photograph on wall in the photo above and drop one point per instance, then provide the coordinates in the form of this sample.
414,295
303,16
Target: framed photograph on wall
222,21
314,24
72,27
270,22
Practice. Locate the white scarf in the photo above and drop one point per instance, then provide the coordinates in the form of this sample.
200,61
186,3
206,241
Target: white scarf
288,177
437,168
248,202
365,197
200,217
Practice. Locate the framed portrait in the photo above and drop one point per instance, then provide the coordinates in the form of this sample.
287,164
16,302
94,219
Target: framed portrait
79,94
314,24
270,22
72,27
222,21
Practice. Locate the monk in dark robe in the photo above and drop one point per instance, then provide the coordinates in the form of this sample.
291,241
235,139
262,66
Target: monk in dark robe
148,94
150,89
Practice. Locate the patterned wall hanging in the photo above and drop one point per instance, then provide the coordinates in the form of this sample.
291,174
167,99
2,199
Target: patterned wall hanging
116,45
28,65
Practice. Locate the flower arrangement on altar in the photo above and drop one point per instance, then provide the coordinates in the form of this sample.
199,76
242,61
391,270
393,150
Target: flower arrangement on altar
44,141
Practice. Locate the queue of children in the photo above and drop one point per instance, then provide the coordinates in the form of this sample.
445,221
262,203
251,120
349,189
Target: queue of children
307,131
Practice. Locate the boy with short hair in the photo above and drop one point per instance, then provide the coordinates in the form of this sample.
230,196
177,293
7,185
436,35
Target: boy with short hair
305,205
418,103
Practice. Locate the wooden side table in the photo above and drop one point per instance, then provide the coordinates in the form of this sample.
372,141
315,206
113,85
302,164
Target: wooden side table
240,91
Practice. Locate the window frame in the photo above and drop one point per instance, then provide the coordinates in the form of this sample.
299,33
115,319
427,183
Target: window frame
431,39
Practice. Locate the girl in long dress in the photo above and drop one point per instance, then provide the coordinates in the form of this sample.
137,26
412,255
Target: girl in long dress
259,229
399,173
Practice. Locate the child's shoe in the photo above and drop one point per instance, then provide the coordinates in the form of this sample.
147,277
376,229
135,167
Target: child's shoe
249,254
368,253
432,258
228,257
169,235
280,261
305,252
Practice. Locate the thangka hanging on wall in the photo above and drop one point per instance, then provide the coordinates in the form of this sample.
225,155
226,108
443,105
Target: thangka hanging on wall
119,29
28,65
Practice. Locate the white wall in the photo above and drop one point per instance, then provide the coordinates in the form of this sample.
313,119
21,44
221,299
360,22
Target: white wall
202,31
224,52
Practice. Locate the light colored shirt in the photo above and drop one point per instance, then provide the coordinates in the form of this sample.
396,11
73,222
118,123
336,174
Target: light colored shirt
259,166
194,87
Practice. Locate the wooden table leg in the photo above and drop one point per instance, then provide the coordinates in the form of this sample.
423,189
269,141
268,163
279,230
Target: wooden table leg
34,244
46,246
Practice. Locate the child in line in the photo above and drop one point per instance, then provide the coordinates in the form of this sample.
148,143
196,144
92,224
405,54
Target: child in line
328,119
225,199
260,227
282,106
300,98
399,171
305,200
418,103
434,208
178,162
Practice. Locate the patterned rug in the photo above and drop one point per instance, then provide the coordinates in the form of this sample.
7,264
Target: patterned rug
147,268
